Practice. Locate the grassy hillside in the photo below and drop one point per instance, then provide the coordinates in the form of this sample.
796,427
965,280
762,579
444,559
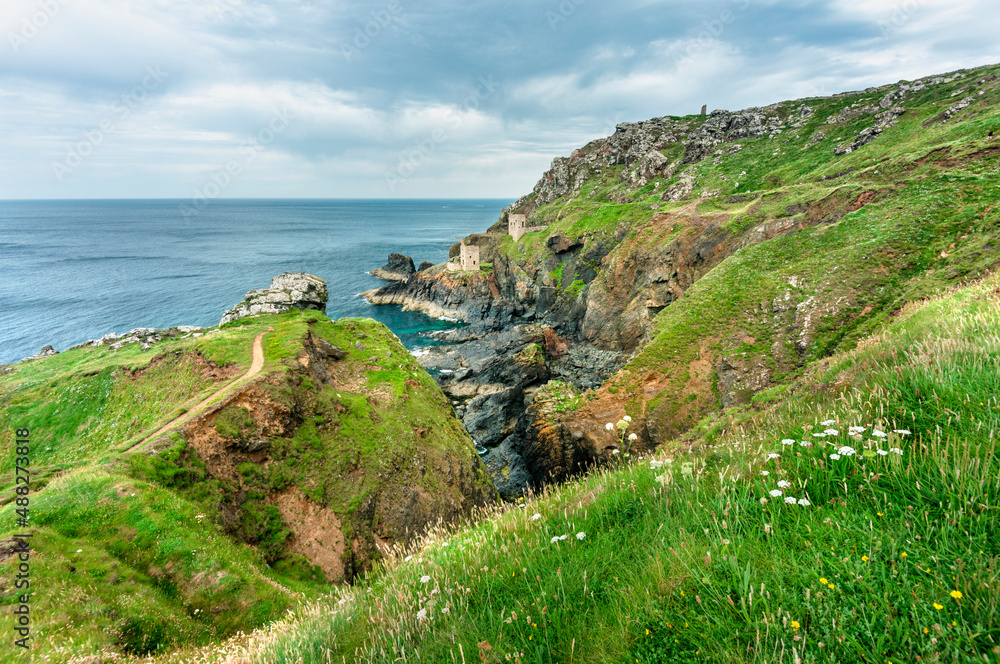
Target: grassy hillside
888,554
288,482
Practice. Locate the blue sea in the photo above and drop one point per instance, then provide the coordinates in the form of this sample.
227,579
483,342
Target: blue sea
75,270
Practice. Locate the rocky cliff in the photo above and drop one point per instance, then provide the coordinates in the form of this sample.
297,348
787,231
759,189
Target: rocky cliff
627,227
287,291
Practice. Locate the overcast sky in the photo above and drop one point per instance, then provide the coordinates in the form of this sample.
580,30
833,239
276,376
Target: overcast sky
438,98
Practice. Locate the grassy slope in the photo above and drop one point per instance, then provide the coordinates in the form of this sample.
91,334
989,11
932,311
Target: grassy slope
895,558
156,568
931,222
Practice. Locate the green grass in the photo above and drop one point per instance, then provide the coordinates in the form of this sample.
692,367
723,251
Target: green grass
893,559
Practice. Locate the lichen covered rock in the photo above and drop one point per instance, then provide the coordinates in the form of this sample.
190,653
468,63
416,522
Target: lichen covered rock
288,290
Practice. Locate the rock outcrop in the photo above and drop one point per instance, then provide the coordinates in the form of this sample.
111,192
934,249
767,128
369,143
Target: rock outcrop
288,290
398,268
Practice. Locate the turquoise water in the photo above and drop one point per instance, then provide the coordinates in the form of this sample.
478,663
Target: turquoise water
76,270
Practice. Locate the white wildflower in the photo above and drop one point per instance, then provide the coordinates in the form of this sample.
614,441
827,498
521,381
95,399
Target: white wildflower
804,502
425,579
790,500
826,423
846,450
896,450
805,443
562,537
609,426
445,610
831,432
581,535
627,418
879,434
773,456
834,456
536,517
633,437
422,614
819,435
902,432
775,493
764,473
881,452
782,484
654,464
407,559
787,441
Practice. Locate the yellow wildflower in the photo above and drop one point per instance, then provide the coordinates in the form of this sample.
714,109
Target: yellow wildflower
823,581
795,625
938,606
864,558
956,594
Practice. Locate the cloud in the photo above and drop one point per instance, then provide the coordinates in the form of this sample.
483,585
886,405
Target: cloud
368,86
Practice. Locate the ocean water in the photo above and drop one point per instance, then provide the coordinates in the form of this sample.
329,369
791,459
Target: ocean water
75,270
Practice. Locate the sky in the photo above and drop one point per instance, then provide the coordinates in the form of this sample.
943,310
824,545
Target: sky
207,99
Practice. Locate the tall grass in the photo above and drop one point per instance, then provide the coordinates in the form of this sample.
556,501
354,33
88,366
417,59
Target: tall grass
889,552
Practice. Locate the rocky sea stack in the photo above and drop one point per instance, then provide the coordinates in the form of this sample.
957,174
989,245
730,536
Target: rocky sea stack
398,268
288,290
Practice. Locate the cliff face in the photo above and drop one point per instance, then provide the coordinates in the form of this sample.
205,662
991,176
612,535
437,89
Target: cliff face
708,259
263,491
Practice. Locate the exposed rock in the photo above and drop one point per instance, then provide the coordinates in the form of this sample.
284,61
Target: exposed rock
288,290
884,120
46,351
399,268
425,265
491,418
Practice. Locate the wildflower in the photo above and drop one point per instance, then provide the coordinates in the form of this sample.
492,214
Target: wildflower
881,452
627,418
804,502
902,555
79,550
422,614
795,625
835,457
823,581
554,539
773,456
581,535
938,606
775,493
782,484
805,443
609,426
831,432
764,473
445,610
407,559
654,464
819,435
826,423
615,452
536,516
787,441
902,432
879,434
896,450
633,437
864,559
846,450
790,500
956,594
425,579
562,537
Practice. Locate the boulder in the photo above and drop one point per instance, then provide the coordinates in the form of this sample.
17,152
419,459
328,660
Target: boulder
425,265
287,291
399,268
46,351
